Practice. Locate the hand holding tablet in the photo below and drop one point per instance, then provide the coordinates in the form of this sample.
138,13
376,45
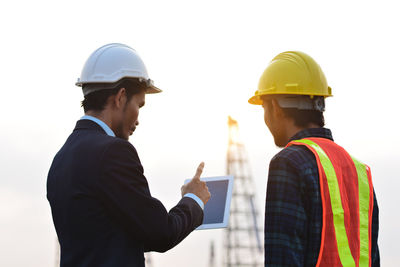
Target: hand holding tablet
217,210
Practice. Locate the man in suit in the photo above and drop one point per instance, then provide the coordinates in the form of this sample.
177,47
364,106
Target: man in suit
102,208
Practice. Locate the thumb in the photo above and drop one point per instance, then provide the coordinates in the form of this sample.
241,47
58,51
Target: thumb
199,171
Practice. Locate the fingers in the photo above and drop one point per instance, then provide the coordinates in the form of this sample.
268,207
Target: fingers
207,197
199,171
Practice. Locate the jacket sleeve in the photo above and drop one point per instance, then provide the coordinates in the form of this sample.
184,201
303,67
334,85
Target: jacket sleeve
127,198
285,216
375,229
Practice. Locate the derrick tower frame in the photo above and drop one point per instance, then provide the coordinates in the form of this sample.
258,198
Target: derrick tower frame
242,238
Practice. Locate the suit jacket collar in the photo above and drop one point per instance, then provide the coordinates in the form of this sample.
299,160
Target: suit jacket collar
88,125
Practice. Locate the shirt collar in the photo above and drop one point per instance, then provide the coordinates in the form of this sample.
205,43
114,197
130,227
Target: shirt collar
313,132
100,123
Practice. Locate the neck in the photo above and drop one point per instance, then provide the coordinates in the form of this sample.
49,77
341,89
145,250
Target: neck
292,129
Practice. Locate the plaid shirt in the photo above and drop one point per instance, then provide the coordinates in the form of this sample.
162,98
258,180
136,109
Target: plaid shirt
293,212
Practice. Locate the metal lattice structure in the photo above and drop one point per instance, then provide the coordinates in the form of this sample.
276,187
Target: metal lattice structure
212,255
242,242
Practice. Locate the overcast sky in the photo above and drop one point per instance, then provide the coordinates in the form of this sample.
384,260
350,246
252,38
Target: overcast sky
207,56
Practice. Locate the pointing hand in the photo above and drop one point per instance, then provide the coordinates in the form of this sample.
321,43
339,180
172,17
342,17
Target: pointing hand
196,186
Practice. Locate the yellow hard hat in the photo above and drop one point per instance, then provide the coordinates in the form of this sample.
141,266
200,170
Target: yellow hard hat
292,73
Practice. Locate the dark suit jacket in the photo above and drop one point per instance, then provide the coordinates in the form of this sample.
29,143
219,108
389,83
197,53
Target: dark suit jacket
102,208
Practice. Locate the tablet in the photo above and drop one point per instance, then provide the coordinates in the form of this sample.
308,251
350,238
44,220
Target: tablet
217,209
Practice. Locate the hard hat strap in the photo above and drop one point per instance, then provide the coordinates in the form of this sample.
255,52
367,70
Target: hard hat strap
148,82
302,102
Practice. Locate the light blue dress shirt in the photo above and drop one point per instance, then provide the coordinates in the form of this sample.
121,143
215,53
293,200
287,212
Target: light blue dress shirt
110,132
195,198
101,123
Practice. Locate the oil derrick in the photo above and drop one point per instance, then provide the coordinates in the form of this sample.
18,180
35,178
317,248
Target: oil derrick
242,242
212,255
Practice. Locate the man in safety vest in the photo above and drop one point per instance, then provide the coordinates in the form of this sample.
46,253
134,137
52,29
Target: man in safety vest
321,208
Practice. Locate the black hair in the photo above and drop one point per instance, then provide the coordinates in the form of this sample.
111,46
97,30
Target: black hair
97,100
302,118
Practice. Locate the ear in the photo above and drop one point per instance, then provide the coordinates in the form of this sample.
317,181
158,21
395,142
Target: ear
277,109
120,98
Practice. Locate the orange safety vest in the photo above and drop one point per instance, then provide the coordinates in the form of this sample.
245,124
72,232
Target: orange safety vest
347,204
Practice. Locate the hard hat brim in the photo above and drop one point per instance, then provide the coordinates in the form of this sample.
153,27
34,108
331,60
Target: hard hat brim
153,90
150,88
255,100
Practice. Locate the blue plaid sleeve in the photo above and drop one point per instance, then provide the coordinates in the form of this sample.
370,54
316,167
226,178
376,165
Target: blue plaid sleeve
285,214
375,229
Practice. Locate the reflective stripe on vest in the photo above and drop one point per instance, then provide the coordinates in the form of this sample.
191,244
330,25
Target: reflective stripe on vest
347,203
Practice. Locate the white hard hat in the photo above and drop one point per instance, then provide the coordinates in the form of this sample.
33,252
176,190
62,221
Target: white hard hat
112,62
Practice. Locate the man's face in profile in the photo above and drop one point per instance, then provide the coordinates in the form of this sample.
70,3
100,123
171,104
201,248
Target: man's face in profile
130,114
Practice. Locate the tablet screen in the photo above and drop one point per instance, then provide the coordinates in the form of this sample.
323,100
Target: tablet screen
217,209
